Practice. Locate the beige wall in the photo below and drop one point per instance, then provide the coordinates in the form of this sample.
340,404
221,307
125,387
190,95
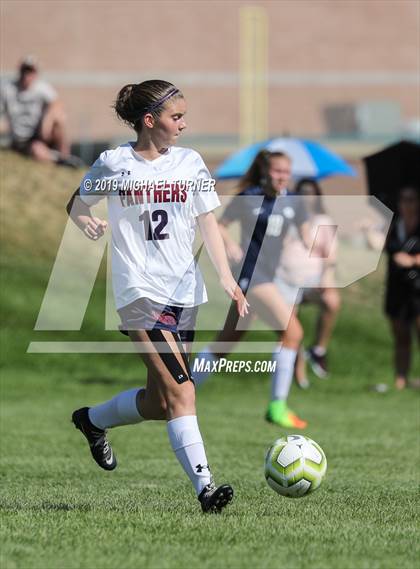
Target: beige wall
320,52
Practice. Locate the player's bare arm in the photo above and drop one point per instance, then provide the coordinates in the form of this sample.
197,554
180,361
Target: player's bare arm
214,244
233,250
93,227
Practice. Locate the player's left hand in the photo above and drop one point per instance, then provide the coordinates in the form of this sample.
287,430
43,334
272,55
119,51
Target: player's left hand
233,290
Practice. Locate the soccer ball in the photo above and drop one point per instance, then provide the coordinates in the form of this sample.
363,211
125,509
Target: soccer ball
295,466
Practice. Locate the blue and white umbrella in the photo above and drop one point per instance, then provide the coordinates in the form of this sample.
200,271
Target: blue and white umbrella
309,159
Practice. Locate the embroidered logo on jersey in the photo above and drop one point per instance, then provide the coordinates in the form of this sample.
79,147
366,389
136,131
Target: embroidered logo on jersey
289,212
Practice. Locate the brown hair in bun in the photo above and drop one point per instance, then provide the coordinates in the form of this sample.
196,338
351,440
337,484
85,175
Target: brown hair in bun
135,100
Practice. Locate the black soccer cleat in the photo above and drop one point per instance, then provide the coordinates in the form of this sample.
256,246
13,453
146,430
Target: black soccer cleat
99,446
213,499
318,363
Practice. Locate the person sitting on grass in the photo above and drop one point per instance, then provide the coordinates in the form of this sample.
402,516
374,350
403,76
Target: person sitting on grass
35,117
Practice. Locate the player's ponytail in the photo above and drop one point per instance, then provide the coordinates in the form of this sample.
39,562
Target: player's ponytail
135,100
257,173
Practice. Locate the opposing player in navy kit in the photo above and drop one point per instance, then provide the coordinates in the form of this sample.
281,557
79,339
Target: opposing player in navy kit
264,221
157,194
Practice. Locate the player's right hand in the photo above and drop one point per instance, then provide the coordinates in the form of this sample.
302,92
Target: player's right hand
95,228
241,302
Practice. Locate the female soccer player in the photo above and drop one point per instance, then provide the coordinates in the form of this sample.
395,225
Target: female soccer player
315,280
262,233
157,194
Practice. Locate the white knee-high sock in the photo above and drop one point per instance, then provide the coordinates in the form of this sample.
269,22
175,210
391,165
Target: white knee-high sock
120,410
202,365
186,441
282,377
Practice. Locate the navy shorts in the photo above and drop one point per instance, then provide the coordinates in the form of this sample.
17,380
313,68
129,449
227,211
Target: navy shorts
146,314
259,275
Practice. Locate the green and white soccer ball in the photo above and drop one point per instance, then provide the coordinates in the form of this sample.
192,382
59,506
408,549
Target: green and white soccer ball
295,466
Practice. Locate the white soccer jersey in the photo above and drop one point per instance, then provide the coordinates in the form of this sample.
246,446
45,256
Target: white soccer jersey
152,206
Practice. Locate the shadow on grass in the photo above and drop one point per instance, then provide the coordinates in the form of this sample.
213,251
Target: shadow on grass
45,507
147,503
111,381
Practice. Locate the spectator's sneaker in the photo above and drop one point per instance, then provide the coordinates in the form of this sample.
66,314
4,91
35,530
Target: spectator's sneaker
213,499
318,363
279,414
98,443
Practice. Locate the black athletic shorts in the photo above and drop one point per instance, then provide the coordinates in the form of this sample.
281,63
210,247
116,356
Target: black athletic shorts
23,146
146,314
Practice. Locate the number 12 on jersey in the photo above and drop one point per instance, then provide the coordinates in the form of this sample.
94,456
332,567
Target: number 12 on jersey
156,234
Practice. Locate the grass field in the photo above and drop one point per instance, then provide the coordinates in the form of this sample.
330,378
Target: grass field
59,510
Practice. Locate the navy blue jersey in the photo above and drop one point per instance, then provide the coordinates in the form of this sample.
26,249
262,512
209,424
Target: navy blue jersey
263,228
